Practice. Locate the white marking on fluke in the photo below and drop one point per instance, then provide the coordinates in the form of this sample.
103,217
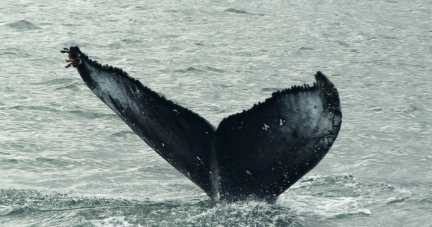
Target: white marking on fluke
79,63
265,127
200,160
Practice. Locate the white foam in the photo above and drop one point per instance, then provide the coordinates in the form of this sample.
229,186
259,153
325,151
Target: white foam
115,222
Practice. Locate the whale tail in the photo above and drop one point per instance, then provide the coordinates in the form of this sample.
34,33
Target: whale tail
257,153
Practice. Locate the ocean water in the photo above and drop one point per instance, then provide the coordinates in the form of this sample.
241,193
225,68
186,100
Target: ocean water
67,160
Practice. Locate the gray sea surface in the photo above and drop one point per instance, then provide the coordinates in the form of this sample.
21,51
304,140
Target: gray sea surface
66,159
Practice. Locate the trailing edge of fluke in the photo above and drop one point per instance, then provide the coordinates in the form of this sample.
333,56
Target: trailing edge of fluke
258,153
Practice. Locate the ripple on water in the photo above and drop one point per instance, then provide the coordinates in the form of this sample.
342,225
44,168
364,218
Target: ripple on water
23,25
91,115
73,87
239,11
232,10
39,108
38,207
56,81
340,196
200,69
124,134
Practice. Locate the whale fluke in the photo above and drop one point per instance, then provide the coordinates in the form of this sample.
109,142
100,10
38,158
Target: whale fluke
258,153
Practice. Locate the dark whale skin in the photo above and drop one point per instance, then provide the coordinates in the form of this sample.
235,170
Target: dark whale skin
258,153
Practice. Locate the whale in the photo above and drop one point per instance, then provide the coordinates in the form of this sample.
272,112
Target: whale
255,154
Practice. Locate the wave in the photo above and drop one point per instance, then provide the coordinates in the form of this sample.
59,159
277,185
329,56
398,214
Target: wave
23,25
123,134
79,112
199,70
56,81
309,202
232,10
341,196
59,209
239,11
